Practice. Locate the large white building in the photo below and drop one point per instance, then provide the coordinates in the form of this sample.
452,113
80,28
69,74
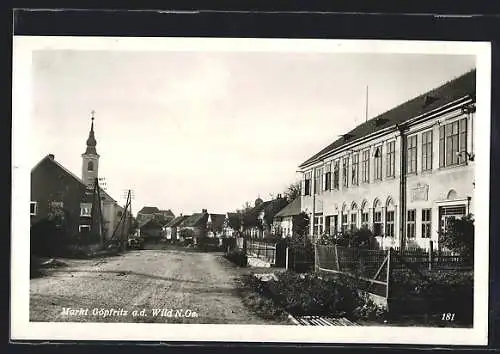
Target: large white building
402,174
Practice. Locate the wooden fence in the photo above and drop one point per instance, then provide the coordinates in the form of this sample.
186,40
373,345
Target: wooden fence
373,269
261,250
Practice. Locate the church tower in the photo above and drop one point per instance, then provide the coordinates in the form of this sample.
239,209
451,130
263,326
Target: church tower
90,159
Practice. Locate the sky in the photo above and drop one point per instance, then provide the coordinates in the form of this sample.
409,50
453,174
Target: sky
197,130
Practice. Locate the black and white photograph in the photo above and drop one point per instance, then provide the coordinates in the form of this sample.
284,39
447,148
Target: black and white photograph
282,190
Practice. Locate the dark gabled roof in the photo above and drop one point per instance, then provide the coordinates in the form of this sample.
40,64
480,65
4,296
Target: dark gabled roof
51,160
149,210
453,90
153,222
167,213
270,208
291,209
195,220
177,221
217,220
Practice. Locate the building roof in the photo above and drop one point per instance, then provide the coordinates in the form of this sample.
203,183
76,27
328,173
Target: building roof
195,220
50,158
148,210
451,91
153,222
270,208
168,213
177,221
291,209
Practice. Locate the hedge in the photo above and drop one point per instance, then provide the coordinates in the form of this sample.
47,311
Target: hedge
238,257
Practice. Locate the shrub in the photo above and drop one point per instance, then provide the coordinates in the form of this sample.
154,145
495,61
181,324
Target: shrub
237,257
440,292
309,294
300,252
459,237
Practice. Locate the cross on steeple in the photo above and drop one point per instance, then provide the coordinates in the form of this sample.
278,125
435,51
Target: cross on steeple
93,112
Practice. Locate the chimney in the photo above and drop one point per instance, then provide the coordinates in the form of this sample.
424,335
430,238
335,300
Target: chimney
51,156
204,210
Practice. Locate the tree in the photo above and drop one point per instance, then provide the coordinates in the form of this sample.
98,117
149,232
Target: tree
300,224
459,236
293,191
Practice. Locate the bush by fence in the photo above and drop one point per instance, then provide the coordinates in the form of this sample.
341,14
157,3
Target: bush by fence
237,257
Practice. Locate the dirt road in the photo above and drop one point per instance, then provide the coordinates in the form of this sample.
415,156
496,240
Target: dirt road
142,286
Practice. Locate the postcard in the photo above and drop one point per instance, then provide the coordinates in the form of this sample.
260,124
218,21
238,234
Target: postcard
250,190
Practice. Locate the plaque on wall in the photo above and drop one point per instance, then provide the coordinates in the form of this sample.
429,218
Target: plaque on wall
420,192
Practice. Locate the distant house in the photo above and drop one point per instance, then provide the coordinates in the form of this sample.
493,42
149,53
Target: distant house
152,212
284,219
258,222
215,225
195,226
150,230
171,230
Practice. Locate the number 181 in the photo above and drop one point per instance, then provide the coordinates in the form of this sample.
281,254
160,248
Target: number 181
448,316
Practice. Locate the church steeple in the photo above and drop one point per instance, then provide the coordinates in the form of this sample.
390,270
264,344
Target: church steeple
90,158
91,142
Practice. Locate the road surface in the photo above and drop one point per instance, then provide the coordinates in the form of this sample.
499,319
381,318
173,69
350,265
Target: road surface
169,286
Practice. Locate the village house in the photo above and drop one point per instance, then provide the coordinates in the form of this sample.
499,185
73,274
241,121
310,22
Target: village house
151,212
258,221
194,227
150,230
171,230
56,191
402,174
284,220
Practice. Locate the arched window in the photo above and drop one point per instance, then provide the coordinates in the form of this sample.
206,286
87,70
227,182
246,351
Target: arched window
377,218
354,216
364,215
452,194
90,166
389,217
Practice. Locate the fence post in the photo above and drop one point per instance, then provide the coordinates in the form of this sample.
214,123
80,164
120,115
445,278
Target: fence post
388,278
431,251
316,265
337,262
286,258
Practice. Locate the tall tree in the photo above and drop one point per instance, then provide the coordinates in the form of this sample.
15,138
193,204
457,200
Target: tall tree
292,191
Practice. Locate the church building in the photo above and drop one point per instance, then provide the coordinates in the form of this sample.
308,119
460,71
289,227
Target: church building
59,194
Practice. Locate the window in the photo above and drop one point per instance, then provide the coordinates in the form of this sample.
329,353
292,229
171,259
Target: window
345,171
328,223
354,221
355,170
84,228
410,224
56,205
377,223
90,166
389,223
391,158
33,208
317,180
364,220
365,166
318,225
328,176
427,151
344,223
307,183
86,209
411,158
378,163
426,223
452,143
336,174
